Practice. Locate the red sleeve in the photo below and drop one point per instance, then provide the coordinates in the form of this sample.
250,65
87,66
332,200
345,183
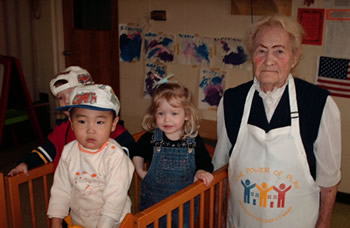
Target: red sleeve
60,136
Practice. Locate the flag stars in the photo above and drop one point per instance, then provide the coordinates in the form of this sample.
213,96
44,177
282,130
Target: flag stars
333,68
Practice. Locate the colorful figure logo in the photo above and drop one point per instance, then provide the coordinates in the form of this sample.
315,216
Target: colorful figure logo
263,193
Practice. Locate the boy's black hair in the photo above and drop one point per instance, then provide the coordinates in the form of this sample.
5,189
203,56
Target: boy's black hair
71,113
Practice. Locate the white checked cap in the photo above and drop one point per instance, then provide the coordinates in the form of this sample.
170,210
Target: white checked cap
96,97
73,75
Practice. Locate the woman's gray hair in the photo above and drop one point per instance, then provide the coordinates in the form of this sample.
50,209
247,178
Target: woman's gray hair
294,29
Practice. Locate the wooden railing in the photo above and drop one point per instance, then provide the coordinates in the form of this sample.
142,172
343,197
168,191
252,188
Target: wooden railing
211,200
37,181
211,205
3,209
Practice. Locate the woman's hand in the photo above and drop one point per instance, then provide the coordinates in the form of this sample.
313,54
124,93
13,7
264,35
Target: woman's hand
205,176
56,223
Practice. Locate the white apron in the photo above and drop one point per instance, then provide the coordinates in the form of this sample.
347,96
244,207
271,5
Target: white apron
270,182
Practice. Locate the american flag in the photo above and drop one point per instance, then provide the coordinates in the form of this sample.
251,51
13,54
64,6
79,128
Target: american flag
334,75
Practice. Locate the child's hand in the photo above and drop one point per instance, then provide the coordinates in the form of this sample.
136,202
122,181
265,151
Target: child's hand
205,176
142,173
21,168
139,166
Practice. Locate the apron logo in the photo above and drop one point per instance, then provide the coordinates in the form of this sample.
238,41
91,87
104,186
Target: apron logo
262,195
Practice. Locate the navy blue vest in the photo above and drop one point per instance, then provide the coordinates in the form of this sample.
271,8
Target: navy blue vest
311,101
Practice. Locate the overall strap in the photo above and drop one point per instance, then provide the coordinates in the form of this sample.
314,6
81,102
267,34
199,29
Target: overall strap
158,139
191,142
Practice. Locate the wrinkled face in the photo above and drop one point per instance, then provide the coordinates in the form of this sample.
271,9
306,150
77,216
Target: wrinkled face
63,98
273,58
91,127
170,119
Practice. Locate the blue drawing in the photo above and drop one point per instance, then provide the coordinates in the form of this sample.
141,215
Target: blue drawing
159,48
231,56
212,89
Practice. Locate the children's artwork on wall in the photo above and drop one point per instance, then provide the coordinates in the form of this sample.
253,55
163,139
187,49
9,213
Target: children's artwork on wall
154,73
159,48
194,50
130,41
211,88
229,52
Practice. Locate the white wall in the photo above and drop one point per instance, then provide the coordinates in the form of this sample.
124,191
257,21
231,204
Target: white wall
207,18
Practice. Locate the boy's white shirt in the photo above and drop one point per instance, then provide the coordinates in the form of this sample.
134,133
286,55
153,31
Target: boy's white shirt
94,185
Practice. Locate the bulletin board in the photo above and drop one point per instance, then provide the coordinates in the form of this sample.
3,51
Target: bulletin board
261,7
312,20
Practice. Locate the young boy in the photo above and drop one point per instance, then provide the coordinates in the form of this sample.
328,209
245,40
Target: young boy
94,174
50,151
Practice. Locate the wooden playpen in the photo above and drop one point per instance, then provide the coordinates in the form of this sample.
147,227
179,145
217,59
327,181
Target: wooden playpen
211,206
31,208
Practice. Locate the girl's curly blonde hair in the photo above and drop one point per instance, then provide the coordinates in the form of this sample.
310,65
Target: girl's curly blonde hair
177,96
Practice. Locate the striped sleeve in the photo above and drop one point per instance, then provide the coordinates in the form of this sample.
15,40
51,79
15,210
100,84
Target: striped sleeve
41,155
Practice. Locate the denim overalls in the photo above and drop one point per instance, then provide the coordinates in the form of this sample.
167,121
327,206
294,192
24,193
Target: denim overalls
172,169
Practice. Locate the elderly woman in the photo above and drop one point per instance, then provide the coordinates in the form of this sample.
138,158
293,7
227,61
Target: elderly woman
280,136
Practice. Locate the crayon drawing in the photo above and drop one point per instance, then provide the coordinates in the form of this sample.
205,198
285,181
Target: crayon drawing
229,52
194,50
130,41
154,73
159,48
211,88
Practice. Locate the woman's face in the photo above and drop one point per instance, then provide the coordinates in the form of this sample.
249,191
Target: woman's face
273,58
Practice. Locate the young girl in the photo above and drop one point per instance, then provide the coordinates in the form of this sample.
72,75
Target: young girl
176,152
